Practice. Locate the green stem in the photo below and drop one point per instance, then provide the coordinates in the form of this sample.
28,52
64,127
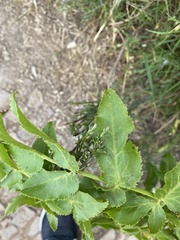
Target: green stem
90,175
23,173
144,192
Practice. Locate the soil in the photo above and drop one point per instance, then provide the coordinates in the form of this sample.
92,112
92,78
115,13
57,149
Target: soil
48,60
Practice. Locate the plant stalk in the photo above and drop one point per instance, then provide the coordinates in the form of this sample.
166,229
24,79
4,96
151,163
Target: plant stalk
90,175
144,192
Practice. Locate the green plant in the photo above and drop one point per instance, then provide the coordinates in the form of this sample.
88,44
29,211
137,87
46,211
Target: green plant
46,175
148,80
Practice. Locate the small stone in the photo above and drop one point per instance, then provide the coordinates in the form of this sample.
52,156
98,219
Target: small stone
131,238
11,118
6,196
7,233
17,238
4,96
71,45
2,208
34,228
23,216
5,223
110,235
126,237
34,73
38,237
24,136
5,76
14,135
49,112
122,237
35,99
5,54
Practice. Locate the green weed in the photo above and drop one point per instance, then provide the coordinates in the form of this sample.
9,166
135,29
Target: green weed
150,81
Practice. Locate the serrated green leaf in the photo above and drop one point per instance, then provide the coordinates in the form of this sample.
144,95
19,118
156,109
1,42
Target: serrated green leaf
131,230
62,157
116,197
60,206
178,233
86,207
86,229
46,208
39,144
18,202
121,163
53,221
157,218
27,160
164,235
4,170
50,131
46,185
170,193
5,158
135,208
88,185
15,146
12,179
168,162
42,147
141,236
173,219
104,221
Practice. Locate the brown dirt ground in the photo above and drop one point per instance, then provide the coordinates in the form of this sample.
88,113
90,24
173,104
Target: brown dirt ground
49,60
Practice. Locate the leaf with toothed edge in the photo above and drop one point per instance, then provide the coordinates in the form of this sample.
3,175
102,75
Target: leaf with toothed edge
86,207
53,221
170,193
105,221
60,206
28,161
12,181
121,163
62,157
115,197
4,171
135,208
86,229
157,218
18,202
39,144
5,158
47,185
26,158
108,199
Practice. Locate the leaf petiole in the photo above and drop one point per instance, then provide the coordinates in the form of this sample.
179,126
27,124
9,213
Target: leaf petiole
143,192
90,175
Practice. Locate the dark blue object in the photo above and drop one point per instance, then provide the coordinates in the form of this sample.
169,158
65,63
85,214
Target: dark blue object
66,230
